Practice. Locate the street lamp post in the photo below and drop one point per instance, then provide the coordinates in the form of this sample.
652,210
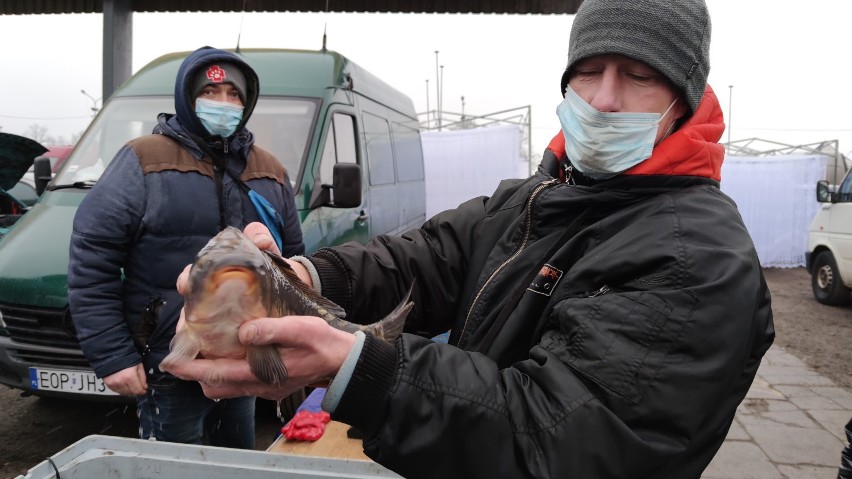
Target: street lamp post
437,92
441,100
94,102
428,119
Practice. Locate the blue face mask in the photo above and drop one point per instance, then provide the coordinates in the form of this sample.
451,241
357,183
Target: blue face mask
604,144
219,118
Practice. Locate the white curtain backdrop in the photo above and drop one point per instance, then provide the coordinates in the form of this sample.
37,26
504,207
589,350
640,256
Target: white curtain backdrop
463,164
776,196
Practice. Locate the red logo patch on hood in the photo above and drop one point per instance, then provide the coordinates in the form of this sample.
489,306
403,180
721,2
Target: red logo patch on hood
216,74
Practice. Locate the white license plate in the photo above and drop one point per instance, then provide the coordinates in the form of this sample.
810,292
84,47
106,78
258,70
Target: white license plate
68,381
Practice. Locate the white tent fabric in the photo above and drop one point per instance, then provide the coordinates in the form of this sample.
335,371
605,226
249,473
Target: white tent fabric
776,196
463,164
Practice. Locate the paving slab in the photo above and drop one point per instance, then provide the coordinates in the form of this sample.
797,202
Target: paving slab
833,421
789,426
737,432
807,472
797,445
741,460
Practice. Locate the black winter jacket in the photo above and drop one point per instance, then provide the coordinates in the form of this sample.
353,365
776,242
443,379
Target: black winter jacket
626,346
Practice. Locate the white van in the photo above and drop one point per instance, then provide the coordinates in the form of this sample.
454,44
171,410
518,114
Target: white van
829,255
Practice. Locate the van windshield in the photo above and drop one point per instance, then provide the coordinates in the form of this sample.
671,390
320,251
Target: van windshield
281,125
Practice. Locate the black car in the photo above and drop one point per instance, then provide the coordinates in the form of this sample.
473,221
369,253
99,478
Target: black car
17,195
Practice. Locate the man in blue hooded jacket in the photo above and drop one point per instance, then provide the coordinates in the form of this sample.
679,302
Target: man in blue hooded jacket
158,203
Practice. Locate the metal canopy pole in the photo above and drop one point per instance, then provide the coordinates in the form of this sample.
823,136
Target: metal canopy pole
117,45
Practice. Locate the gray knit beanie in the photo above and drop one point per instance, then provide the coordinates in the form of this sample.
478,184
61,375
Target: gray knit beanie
219,72
673,36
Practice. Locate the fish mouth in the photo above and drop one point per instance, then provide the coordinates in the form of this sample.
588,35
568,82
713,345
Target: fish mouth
233,283
230,292
233,273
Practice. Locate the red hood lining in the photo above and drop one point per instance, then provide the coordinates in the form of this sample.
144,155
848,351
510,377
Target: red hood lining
691,150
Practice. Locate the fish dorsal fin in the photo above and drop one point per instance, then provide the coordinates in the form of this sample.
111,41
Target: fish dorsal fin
320,300
391,327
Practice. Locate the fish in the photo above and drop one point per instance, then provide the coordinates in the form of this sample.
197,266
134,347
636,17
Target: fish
232,281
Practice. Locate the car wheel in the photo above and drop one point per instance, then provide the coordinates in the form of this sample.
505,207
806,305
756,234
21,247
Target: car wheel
826,281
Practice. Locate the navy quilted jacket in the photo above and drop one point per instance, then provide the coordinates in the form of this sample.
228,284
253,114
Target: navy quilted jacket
152,210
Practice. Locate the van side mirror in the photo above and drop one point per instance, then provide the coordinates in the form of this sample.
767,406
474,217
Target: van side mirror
823,192
42,172
321,195
346,182
344,190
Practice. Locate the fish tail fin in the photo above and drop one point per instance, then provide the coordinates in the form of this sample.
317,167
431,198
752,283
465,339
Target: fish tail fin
266,364
184,347
390,327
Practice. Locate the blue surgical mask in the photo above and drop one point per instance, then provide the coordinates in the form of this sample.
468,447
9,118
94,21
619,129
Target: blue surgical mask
219,118
604,144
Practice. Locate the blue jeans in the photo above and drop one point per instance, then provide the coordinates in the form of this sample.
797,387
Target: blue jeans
177,411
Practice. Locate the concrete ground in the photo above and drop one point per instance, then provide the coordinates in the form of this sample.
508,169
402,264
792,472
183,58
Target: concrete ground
791,425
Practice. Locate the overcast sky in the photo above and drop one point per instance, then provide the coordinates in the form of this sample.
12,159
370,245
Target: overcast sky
788,61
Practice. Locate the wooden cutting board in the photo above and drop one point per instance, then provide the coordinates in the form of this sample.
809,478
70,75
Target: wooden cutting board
333,443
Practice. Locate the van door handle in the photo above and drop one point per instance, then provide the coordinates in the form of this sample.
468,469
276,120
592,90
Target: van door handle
363,216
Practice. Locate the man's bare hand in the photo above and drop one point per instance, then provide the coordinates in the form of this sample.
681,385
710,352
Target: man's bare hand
311,350
262,238
259,234
128,382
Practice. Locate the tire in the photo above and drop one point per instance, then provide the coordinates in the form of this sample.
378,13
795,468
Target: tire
826,281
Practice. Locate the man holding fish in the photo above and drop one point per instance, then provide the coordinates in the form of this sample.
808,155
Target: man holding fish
606,315
160,200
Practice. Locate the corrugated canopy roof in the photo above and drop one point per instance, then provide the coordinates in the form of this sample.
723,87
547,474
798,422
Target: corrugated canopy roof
118,16
22,7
